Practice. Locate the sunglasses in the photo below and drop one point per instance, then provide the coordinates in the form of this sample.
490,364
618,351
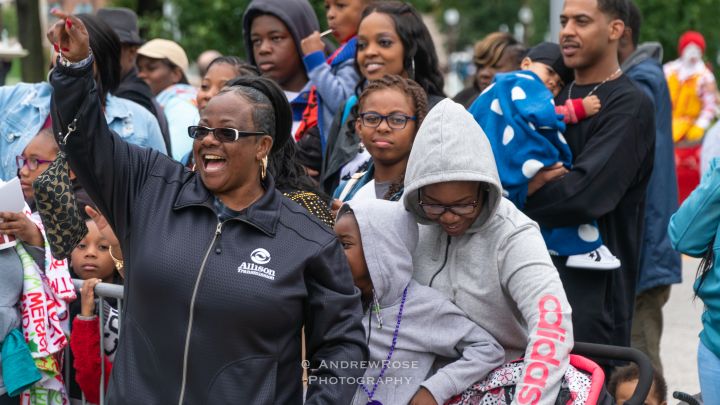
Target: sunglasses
221,134
31,163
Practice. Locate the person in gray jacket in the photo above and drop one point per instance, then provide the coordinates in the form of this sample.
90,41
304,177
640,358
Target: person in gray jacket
11,281
483,253
379,237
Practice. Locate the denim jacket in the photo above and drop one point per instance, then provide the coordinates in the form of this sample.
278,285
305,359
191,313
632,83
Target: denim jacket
133,123
25,107
23,110
178,103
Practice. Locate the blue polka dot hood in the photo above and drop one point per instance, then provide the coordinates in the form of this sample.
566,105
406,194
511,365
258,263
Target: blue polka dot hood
450,146
517,114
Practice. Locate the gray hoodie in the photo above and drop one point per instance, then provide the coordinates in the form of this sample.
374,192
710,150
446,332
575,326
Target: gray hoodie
11,283
499,272
431,325
297,15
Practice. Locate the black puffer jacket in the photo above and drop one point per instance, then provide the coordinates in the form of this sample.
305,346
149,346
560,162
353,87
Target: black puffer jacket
213,311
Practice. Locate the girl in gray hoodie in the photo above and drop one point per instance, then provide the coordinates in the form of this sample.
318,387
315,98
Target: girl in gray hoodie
407,325
483,253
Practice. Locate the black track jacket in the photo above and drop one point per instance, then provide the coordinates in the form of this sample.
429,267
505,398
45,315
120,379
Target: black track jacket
213,311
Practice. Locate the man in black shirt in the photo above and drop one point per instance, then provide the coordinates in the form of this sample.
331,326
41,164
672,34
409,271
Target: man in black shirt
124,22
613,158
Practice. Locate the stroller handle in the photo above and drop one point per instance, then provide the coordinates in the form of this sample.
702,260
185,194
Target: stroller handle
645,378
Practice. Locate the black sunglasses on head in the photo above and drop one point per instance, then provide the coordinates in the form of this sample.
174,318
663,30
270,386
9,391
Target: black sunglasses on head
221,134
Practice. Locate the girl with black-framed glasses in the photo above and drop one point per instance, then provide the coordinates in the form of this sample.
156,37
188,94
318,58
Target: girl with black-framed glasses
390,111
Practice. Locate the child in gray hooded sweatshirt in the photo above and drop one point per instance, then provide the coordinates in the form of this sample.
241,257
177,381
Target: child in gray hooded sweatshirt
408,325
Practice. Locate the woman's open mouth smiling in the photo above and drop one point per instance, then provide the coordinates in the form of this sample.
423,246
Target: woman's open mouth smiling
213,163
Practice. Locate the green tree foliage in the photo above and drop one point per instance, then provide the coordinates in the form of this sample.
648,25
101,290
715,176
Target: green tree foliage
479,18
211,24
217,24
666,20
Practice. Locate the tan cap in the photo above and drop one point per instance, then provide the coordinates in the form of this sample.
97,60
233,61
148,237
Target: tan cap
165,49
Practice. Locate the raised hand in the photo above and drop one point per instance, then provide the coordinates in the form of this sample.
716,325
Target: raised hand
69,37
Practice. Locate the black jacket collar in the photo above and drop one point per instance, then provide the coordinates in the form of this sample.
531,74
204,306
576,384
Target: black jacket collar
263,214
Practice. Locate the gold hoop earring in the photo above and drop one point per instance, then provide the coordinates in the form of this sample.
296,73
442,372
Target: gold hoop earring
263,167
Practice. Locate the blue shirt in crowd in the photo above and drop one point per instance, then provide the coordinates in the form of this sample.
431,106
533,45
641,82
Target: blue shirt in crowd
178,103
25,107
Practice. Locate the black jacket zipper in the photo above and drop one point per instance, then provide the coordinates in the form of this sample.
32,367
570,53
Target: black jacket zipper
218,231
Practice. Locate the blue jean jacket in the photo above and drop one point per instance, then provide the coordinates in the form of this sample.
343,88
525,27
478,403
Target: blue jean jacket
24,108
178,103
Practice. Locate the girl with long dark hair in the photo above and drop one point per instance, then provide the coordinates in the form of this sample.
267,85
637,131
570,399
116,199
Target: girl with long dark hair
392,40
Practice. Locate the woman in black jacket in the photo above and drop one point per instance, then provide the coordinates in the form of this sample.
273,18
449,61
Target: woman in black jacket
222,270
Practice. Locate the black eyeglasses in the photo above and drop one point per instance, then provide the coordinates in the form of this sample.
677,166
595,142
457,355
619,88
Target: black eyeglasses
221,134
31,163
462,210
394,121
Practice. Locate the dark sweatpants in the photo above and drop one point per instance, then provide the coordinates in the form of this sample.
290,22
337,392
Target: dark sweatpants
602,303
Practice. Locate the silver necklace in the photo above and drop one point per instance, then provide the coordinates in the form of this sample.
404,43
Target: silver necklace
619,70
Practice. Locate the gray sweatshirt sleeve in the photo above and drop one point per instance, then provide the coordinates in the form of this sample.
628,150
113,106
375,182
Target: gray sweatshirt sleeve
453,334
531,280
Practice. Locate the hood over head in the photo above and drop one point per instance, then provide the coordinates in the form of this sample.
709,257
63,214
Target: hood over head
451,146
297,15
389,235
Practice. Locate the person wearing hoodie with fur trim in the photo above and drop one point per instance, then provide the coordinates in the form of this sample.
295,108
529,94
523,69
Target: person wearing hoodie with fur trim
484,254
379,238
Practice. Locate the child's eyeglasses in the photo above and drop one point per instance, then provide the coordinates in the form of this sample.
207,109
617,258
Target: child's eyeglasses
394,121
31,163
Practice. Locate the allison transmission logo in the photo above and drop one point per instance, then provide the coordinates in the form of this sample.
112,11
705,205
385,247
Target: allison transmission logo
259,257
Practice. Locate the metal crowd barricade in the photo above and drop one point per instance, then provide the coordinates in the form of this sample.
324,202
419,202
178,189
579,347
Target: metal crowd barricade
102,291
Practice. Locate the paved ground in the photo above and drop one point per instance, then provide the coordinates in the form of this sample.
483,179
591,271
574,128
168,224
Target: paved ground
678,348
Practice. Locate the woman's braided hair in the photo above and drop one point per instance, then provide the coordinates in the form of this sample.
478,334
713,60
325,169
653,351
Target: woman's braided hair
413,92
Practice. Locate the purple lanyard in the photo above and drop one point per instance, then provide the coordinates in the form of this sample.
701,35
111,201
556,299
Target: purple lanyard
385,366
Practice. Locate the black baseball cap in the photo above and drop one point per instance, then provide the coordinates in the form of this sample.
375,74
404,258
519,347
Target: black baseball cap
124,22
550,54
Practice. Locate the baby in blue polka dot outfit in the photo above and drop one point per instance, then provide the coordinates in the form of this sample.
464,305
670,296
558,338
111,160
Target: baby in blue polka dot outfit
518,115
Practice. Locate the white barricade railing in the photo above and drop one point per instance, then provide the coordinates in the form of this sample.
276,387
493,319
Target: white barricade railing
102,291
